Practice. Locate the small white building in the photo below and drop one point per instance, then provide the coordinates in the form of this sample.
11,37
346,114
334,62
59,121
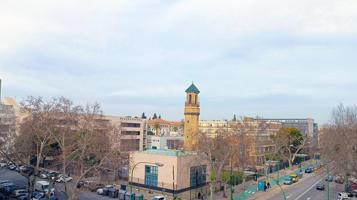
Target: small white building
165,142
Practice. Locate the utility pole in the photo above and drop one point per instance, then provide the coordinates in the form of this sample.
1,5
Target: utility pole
231,179
328,182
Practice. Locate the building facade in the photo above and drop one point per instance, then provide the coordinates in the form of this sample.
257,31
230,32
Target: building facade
175,173
307,127
165,142
160,127
131,132
7,127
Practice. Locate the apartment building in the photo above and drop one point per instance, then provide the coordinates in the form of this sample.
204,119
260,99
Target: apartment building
307,127
132,133
7,127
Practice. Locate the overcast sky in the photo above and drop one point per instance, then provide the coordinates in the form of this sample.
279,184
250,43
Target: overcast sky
271,58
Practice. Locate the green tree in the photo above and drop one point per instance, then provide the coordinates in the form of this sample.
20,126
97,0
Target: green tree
288,143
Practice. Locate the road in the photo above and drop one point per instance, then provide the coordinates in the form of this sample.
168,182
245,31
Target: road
305,189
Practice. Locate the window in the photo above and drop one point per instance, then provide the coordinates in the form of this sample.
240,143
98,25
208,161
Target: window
151,175
189,99
197,175
133,125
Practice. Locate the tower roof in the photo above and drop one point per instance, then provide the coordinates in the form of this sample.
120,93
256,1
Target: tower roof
192,89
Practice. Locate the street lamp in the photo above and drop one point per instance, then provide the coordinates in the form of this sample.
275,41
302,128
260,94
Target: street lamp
132,171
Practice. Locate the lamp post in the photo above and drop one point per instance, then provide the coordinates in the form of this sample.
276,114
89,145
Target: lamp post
132,171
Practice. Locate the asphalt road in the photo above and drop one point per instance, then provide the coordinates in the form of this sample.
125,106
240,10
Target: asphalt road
305,189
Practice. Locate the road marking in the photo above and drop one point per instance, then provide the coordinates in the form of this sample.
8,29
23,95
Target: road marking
313,185
308,198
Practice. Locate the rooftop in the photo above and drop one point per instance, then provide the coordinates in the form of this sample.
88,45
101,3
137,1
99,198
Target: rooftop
166,152
192,89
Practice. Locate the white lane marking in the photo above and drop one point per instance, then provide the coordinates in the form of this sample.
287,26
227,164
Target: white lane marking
313,185
308,198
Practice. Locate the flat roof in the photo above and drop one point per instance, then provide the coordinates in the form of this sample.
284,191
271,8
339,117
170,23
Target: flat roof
166,152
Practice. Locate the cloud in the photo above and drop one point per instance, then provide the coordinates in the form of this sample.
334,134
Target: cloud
148,52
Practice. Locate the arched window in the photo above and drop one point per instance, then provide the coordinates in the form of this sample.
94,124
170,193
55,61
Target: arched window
189,99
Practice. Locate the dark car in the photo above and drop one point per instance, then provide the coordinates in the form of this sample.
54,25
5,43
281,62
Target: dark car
29,170
113,193
309,170
320,186
7,189
52,175
329,178
18,193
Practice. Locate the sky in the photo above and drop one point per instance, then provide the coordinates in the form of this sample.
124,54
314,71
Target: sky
273,58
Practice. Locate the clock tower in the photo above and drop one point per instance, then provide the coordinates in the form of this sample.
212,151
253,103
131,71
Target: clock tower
192,115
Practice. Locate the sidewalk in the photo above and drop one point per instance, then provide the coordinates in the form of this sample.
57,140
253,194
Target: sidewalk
273,179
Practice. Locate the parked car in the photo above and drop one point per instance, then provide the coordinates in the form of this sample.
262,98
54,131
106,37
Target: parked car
309,169
43,186
19,192
105,190
92,185
52,175
320,186
329,178
3,164
8,188
342,196
288,180
353,193
113,192
27,169
158,198
294,177
61,179
43,176
38,195
11,166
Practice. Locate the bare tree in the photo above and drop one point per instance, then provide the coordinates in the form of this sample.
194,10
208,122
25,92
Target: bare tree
216,152
39,126
339,140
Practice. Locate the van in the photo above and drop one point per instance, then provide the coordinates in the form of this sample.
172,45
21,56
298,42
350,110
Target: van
43,186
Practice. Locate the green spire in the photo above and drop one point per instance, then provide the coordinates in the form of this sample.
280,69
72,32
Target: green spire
192,89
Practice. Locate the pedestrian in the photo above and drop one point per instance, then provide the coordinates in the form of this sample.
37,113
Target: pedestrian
268,184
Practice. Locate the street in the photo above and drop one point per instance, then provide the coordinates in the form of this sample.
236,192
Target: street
305,189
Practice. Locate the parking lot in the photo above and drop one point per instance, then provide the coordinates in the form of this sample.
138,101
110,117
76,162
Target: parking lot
19,180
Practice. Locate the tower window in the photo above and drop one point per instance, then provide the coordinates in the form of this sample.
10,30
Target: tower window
189,99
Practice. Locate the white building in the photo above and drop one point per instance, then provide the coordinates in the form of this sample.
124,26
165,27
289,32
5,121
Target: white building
165,142
132,133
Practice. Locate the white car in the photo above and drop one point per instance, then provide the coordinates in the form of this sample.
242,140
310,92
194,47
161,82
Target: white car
43,176
158,198
2,164
62,179
342,196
